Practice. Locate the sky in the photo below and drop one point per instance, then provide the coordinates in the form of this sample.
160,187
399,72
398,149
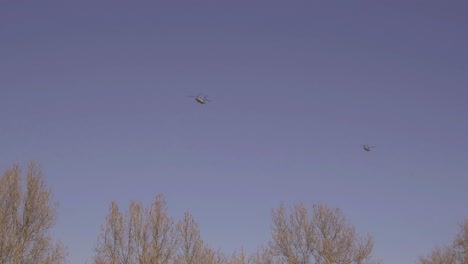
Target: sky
96,92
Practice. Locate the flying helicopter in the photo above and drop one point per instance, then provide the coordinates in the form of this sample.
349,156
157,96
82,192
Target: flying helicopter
367,147
201,100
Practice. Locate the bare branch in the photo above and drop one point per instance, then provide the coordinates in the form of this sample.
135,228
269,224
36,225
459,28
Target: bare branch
325,237
191,243
141,236
26,219
456,253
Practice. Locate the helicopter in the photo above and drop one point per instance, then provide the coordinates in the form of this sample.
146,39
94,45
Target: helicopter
201,100
367,147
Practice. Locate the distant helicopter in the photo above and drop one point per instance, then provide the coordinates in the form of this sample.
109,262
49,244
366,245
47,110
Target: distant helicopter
367,147
201,100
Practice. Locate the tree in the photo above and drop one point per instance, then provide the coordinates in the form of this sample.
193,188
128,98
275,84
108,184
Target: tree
26,217
264,255
239,258
210,256
192,249
460,245
324,237
438,256
148,236
456,253
141,236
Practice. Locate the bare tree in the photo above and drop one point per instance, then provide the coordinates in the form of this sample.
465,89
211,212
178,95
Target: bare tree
460,245
323,237
210,256
240,258
191,245
439,256
141,236
263,255
192,250
26,219
456,253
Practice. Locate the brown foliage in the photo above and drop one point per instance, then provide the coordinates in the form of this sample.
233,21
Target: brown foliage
239,258
191,247
460,245
26,218
192,250
438,256
325,237
150,236
264,256
210,256
142,236
457,253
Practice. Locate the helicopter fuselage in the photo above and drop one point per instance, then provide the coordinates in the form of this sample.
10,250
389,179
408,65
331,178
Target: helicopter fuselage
200,100
366,148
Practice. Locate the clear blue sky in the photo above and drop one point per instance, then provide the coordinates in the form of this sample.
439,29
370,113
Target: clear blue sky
96,92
